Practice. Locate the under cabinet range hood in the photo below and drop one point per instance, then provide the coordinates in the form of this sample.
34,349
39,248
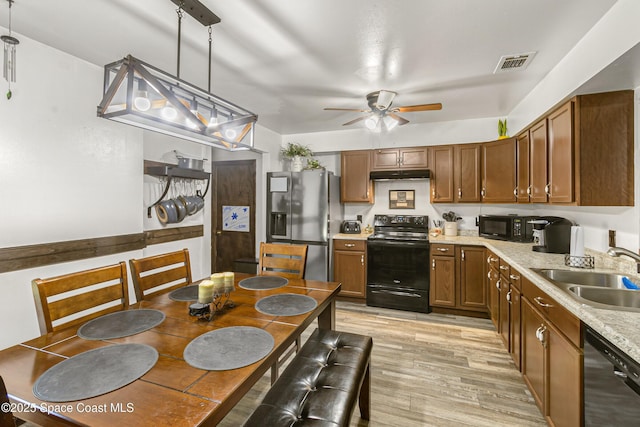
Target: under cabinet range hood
399,174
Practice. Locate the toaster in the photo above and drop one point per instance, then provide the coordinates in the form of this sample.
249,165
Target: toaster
350,227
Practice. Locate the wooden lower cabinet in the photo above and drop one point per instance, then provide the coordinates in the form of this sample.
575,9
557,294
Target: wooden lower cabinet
457,278
473,291
552,358
350,267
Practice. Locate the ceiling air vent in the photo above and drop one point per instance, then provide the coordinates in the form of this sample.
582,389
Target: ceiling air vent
514,62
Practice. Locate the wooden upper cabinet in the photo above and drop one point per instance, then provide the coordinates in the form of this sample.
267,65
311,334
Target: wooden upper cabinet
355,184
538,162
560,162
499,171
400,158
441,179
522,168
467,173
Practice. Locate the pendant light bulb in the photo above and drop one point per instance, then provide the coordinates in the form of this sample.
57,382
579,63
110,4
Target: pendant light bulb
169,113
371,122
230,133
213,120
141,101
390,122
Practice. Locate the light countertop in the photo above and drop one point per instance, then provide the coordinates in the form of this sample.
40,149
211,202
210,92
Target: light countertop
622,328
344,236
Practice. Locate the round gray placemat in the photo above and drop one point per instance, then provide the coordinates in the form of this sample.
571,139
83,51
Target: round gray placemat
286,304
228,348
188,293
259,283
120,324
95,372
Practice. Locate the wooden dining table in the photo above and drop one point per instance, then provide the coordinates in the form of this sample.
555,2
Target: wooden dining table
172,393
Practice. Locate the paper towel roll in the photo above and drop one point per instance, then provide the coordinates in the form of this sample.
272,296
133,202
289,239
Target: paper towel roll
577,241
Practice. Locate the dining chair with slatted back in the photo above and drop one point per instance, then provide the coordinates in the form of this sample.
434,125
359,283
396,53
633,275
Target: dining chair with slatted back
75,298
282,260
160,273
6,416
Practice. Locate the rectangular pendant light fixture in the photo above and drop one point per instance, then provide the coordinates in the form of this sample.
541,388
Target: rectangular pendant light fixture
141,95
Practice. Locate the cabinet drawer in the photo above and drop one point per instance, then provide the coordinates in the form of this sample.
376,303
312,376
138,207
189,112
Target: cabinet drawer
561,318
505,269
493,260
442,249
349,245
515,279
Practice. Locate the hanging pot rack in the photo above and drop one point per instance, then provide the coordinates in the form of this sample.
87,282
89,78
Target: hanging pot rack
170,172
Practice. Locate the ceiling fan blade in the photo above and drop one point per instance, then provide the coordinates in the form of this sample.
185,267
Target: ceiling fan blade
347,109
420,107
401,120
354,121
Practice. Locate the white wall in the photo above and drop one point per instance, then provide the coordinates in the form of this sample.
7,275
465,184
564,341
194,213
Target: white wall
66,174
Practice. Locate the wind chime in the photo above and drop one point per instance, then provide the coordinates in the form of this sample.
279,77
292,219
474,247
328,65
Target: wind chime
9,64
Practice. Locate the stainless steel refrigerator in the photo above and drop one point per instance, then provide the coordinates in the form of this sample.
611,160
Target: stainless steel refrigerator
304,208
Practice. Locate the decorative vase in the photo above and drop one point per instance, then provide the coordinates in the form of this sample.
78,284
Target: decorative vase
296,164
450,228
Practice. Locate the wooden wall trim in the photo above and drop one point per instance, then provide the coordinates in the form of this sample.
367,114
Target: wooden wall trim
163,235
31,256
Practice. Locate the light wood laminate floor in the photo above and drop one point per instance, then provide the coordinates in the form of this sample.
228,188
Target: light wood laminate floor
428,370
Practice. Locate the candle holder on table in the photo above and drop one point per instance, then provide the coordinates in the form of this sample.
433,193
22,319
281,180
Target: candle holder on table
213,296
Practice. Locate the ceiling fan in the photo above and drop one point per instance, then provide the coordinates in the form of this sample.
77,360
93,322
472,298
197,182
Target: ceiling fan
380,111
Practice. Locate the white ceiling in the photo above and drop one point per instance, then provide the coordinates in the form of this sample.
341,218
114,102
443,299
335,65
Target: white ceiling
286,60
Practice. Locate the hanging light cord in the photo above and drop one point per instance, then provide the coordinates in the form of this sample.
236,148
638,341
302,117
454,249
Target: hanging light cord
180,15
210,41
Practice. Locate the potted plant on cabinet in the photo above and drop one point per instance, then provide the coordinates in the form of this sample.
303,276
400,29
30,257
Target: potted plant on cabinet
502,129
296,153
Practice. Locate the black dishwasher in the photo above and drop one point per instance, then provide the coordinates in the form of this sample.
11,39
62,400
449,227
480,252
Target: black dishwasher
611,384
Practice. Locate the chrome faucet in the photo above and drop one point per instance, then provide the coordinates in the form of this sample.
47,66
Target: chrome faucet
615,251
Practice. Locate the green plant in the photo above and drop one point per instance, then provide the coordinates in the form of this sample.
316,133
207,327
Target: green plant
502,127
313,164
293,149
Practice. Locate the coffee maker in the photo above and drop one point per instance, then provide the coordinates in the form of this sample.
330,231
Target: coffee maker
552,234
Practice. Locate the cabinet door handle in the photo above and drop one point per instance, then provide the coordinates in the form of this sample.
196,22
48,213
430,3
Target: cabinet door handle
442,249
490,259
503,267
515,192
498,284
514,277
509,297
546,189
462,254
483,192
349,245
529,191
459,192
362,259
489,275
540,302
433,264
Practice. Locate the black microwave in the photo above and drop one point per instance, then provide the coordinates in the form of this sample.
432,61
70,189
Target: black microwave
513,228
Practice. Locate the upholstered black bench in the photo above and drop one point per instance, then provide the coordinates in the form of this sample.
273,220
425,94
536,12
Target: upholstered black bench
321,384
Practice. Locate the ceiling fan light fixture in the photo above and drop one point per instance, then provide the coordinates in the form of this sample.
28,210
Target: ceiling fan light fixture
390,122
372,122
385,98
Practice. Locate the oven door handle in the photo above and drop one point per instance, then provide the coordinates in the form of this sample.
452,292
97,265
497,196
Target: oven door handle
393,243
397,293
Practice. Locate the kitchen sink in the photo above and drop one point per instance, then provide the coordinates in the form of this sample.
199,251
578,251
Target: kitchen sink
600,290
586,278
612,297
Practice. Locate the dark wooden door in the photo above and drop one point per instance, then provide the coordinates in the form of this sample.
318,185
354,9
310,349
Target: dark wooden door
565,381
442,291
473,290
234,185
385,159
534,352
414,158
